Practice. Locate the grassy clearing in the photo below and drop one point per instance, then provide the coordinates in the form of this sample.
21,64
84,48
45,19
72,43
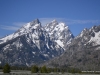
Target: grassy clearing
25,73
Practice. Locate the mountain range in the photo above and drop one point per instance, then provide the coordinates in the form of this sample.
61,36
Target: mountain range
83,52
52,45
34,43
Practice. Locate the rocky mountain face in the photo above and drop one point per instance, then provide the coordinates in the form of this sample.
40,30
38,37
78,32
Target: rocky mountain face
60,33
34,44
83,52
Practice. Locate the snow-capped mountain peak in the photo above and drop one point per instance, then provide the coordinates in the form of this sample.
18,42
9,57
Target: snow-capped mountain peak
32,25
23,30
52,24
30,44
36,21
59,32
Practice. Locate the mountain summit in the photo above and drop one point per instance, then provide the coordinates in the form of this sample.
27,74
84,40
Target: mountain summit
34,44
60,33
36,21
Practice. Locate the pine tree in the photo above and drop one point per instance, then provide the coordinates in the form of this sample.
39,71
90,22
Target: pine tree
55,69
34,69
6,68
48,70
44,69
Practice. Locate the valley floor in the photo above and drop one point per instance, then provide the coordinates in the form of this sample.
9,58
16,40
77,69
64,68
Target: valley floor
29,73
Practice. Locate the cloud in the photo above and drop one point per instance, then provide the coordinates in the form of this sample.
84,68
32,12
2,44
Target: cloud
68,21
14,26
81,21
44,21
19,24
9,27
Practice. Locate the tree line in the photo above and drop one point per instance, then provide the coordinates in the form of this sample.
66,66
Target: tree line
35,69
44,69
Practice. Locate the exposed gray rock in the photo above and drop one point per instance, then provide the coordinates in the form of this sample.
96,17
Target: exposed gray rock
83,52
31,44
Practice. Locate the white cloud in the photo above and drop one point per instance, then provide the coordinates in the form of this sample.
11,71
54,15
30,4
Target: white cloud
44,21
19,24
82,21
68,21
9,27
14,26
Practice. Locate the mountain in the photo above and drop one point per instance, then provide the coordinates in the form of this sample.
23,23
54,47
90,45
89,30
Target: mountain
60,33
32,44
83,52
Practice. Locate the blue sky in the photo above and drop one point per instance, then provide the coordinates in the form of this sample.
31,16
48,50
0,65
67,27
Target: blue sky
77,14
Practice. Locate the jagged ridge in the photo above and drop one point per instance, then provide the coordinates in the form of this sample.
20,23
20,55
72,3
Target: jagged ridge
83,52
31,44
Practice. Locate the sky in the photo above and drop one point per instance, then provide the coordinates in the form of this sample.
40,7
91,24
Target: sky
77,14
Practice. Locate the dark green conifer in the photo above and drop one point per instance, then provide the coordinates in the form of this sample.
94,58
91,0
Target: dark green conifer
34,69
6,68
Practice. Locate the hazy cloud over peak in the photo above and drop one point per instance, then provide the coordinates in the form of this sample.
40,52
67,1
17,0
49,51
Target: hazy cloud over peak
68,21
14,26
